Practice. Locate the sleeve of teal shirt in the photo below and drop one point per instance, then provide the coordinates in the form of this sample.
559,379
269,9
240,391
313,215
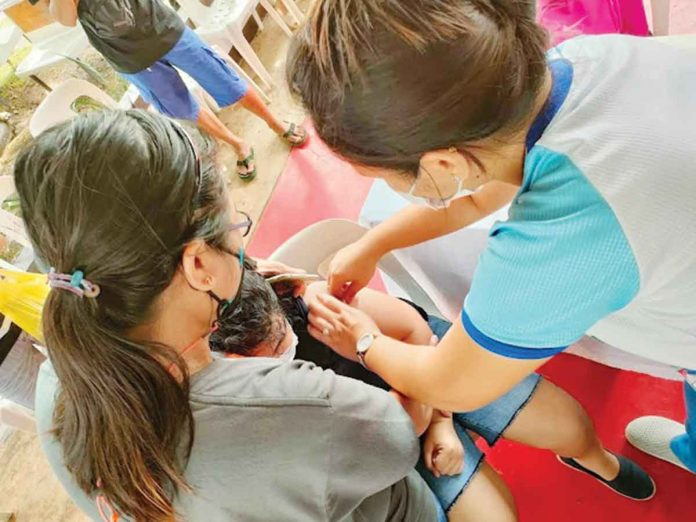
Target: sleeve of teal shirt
555,268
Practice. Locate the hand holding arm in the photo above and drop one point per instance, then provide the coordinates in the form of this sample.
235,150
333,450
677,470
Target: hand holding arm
456,375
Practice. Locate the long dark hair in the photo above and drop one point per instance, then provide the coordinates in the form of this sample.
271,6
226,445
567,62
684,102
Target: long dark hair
116,195
387,80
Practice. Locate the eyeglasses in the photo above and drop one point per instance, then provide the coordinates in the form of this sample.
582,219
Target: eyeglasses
233,303
244,225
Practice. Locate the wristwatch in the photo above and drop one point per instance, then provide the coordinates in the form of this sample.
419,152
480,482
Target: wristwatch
363,345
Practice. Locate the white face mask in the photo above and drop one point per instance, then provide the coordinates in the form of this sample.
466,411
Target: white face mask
289,354
436,203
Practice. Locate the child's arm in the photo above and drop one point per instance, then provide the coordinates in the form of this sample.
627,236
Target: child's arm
393,317
355,264
396,319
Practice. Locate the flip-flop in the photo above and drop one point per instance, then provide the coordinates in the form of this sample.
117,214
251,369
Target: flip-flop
247,175
631,482
292,131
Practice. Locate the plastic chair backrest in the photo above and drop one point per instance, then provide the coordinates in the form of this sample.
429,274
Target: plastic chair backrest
313,248
57,107
219,14
11,226
9,38
49,33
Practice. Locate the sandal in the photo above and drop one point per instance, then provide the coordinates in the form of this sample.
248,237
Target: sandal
247,175
294,138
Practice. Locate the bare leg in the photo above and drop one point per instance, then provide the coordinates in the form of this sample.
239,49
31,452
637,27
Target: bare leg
252,102
486,497
554,420
210,123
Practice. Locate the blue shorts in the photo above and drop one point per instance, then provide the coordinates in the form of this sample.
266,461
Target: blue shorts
161,86
490,422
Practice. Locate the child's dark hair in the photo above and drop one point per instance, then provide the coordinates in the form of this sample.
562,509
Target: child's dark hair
387,80
252,322
256,319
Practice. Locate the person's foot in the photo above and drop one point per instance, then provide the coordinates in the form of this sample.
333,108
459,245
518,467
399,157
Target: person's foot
246,163
605,464
653,435
294,135
631,481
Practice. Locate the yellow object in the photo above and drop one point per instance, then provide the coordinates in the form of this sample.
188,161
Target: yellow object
22,296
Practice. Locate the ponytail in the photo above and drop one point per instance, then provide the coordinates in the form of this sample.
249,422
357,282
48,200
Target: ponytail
116,196
124,422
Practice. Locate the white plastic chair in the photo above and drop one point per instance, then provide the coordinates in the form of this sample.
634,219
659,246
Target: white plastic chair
16,416
224,21
313,248
12,414
222,44
51,45
11,226
660,16
9,38
294,11
57,107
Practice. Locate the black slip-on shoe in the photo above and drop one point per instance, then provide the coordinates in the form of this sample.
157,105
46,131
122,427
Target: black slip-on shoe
631,482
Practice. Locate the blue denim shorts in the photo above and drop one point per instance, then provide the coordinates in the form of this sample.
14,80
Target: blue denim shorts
161,86
490,422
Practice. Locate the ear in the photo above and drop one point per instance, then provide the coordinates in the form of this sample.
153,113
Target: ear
443,164
196,265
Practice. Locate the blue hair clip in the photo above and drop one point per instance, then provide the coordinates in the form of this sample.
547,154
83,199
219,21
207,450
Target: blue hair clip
77,278
74,283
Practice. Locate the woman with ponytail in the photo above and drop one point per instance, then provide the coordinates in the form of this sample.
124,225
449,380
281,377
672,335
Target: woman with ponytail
137,419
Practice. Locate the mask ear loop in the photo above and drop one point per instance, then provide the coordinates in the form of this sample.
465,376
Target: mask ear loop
221,302
432,179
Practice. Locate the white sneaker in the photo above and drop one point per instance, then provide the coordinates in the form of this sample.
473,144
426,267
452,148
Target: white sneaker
653,434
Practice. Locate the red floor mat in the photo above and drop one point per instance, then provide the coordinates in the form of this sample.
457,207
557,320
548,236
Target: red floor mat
316,185
547,491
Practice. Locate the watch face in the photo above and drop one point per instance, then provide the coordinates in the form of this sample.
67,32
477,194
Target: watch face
365,342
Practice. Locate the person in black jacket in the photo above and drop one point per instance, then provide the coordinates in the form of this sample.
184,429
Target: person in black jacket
146,42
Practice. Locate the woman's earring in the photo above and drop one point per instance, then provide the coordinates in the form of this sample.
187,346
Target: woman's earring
208,280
